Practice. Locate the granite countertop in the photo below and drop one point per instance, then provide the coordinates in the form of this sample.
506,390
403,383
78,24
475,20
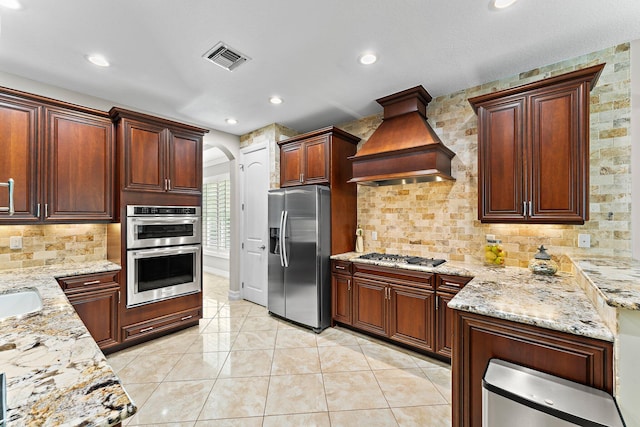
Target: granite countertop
616,279
56,374
516,294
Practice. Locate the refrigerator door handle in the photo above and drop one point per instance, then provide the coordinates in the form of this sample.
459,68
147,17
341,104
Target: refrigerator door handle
281,238
283,247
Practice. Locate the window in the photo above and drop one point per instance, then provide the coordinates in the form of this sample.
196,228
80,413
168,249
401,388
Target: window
216,213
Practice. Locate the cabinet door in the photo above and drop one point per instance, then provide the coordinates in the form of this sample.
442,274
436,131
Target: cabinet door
99,312
444,324
501,179
411,317
291,164
479,338
559,155
144,156
341,298
316,160
185,163
79,167
19,158
370,305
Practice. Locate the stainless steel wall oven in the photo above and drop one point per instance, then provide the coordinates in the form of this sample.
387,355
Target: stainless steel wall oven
164,254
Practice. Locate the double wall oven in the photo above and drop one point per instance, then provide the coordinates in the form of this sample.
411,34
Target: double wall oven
164,254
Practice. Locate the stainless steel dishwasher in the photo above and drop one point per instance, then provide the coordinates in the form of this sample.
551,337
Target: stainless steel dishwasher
513,395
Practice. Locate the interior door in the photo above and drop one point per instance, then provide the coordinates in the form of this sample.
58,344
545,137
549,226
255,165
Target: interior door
253,265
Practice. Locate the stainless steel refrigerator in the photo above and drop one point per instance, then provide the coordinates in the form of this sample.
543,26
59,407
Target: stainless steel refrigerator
299,247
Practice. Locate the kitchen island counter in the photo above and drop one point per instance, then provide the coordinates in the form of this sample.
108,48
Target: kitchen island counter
616,279
56,374
516,294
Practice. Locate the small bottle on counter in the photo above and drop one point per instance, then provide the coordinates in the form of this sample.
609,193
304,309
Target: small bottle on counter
494,253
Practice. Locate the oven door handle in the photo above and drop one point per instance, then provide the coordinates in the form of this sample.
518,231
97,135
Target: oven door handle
155,220
150,253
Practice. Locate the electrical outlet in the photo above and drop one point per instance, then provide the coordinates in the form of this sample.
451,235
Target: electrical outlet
374,235
490,236
15,242
584,240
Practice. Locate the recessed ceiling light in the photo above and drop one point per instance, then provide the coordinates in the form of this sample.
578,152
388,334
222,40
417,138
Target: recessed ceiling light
275,100
502,4
231,121
368,58
11,4
98,60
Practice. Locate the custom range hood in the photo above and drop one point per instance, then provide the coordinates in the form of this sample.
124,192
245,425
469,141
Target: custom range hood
403,149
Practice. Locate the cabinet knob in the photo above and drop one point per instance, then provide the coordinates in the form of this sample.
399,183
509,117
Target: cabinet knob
263,247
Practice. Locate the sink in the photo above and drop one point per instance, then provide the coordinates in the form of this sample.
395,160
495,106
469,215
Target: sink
20,303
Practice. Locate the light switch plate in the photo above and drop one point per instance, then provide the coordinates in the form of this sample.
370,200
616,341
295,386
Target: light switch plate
374,235
584,240
15,242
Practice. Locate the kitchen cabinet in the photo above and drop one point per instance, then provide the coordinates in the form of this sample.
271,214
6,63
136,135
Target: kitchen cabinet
479,338
321,157
533,150
405,306
447,286
61,158
341,292
160,324
157,155
96,299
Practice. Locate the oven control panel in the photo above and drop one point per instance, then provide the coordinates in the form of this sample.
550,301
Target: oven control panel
162,210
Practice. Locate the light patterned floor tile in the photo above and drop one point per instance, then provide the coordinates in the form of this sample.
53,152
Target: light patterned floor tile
148,369
408,387
336,337
259,323
254,340
224,324
295,361
198,366
219,341
441,378
366,417
291,338
342,358
247,363
236,398
353,390
294,394
384,357
318,419
174,402
139,393
432,416
232,422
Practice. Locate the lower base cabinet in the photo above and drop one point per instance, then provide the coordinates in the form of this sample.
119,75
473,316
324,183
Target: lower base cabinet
160,324
95,298
480,338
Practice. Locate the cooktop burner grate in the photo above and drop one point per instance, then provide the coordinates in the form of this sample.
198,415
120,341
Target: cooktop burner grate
403,259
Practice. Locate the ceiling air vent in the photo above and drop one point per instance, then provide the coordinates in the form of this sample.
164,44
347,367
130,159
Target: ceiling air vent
225,56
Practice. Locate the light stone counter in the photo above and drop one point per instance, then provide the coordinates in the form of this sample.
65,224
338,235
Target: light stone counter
56,374
516,294
617,279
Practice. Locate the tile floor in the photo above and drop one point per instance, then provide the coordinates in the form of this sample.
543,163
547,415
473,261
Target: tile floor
241,367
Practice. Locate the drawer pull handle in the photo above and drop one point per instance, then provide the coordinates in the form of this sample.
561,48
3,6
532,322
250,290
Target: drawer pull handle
451,284
186,317
93,282
143,330
340,267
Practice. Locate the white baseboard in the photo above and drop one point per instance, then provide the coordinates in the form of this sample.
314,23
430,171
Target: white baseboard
234,295
216,271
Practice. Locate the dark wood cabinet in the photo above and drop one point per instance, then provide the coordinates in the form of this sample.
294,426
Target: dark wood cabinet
154,326
447,286
321,157
533,151
61,157
157,155
479,338
405,306
341,292
80,156
96,299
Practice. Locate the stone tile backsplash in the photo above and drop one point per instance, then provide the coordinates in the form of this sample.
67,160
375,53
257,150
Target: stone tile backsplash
440,219
52,244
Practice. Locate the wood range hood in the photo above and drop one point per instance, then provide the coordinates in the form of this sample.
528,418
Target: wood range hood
404,148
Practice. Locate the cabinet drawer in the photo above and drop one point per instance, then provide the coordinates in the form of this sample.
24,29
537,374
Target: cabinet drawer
418,279
88,280
453,284
340,267
160,324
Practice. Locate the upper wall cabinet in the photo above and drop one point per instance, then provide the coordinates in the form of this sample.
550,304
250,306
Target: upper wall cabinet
533,151
158,155
61,159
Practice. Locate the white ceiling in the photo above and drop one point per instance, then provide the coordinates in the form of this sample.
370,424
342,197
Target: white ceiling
305,51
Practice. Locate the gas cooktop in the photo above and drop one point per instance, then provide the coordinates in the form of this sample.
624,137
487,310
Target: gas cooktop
403,259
